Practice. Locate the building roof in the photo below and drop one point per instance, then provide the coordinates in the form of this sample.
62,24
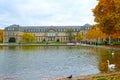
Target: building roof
44,28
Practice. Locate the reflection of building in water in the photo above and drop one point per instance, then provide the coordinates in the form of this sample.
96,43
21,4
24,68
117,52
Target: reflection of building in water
42,33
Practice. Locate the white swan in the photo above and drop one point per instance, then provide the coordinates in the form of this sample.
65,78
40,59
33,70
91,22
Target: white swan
113,53
110,66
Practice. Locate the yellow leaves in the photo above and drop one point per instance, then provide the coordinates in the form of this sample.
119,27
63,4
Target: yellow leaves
110,77
28,37
107,15
1,35
95,33
79,36
103,66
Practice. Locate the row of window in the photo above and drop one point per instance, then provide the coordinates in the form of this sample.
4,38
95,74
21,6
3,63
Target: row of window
11,29
44,30
34,30
10,33
51,34
51,39
37,34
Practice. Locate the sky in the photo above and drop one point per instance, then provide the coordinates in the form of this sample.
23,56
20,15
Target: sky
46,12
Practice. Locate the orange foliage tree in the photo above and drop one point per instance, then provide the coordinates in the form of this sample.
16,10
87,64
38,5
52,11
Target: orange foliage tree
107,16
95,33
1,35
116,34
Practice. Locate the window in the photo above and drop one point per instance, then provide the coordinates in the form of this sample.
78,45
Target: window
64,30
74,29
51,34
13,29
37,34
59,30
61,34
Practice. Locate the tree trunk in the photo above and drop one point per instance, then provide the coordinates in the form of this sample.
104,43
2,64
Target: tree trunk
110,40
118,39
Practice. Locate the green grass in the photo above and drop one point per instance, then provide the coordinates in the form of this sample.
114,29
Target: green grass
33,43
44,43
54,43
102,79
116,43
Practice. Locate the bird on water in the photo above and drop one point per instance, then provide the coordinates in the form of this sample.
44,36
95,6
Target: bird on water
110,66
113,53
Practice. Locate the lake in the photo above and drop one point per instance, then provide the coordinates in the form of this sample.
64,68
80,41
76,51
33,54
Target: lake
48,62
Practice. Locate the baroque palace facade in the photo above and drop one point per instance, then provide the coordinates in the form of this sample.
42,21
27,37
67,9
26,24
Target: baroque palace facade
46,33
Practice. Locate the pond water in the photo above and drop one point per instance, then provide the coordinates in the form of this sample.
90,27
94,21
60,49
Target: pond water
48,62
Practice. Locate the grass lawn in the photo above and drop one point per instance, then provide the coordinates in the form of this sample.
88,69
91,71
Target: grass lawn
43,43
110,77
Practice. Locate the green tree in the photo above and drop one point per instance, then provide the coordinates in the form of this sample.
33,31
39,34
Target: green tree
107,16
70,35
26,37
79,37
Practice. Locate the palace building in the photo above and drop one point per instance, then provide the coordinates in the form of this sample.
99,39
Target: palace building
42,33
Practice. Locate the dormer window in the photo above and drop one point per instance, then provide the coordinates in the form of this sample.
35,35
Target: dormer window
8,28
12,28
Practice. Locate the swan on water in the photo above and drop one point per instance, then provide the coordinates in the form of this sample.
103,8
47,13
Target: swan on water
110,66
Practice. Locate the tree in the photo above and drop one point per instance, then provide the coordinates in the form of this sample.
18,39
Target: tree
1,35
70,35
107,16
95,33
28,37
116,36
79,37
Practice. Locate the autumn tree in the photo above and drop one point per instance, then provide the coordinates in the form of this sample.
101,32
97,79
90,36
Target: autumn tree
116,36
1,35
107,16
70,35
95,33
79,37
26,37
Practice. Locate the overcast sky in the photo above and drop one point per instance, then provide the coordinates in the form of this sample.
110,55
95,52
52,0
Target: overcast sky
46,12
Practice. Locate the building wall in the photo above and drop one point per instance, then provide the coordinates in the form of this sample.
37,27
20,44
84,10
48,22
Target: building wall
50,34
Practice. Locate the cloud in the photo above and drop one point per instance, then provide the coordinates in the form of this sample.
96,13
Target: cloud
46,12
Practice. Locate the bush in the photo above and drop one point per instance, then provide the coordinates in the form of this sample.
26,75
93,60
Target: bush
99,43
102,79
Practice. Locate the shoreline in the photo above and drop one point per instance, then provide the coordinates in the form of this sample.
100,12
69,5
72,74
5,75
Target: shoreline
92,76
83,45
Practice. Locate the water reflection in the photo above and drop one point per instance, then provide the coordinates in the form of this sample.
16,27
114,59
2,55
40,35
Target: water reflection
37,62
107,55
1,48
